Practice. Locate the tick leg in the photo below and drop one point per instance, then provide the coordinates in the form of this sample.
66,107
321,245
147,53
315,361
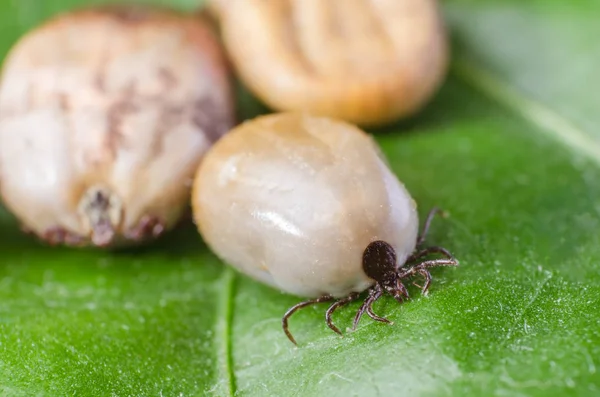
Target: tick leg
58,235
432,213
375,316
293,309
430,250
352,297
427,277
374,294
400,293
148,226
424,273
426,265
421,269
360,312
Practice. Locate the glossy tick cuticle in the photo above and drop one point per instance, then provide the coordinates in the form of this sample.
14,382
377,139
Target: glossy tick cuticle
271,197
380,264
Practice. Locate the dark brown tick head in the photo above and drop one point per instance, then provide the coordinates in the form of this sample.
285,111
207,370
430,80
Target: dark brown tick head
379,263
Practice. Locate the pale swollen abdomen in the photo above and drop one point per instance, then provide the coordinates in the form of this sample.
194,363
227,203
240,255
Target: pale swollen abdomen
364,61
105,114
293,200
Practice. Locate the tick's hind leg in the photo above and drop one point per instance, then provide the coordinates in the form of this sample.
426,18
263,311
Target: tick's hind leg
375,316
352,297
428,251
433,212
374,293
293,309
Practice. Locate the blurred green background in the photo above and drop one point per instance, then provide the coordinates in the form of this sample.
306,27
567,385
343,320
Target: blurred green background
509,146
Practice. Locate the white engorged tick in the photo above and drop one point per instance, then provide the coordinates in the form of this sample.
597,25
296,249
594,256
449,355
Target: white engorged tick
329,235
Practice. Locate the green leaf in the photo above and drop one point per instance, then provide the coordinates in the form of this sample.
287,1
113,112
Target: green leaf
508,146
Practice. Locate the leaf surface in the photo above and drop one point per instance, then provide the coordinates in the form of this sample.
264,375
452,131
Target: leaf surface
508,147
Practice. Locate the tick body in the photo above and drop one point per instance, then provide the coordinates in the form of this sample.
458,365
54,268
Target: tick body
365,61
309,206
105,113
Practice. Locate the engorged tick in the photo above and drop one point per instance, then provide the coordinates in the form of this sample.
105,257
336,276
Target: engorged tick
99,130
309,205
380,263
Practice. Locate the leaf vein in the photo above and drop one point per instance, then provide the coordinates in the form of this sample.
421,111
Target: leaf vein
545,118
534,297
224,323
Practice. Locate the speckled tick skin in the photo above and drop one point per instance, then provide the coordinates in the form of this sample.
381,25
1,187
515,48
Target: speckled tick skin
293,200
105,114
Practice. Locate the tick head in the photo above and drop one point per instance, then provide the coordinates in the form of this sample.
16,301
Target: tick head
379,262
